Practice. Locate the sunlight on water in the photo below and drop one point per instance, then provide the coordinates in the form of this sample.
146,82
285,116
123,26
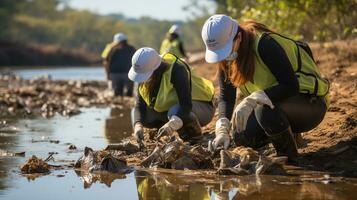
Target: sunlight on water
73,73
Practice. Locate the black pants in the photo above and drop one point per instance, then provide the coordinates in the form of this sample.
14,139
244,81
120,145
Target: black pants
121,81
301,112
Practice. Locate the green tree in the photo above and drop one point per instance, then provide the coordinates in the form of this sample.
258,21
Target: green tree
308,19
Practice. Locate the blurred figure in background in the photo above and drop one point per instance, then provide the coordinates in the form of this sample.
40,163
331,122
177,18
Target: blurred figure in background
117,62
173,44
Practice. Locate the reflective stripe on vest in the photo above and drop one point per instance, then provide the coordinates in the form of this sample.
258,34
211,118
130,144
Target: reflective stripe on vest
171,47
308,74
201,89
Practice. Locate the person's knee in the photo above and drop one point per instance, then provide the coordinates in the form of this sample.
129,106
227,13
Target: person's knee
271,120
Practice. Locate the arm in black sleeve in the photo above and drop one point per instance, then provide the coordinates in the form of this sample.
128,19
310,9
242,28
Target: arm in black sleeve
227,97
182,50
181,83
275,58
139,109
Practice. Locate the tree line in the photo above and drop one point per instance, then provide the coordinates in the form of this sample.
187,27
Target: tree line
52,22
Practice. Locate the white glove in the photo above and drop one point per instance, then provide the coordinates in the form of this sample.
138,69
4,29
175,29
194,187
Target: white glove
223,127
245,108
174,124
138,132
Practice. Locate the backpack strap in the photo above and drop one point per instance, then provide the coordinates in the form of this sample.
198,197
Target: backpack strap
299,62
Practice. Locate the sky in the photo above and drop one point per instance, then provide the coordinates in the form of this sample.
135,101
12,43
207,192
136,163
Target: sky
159,9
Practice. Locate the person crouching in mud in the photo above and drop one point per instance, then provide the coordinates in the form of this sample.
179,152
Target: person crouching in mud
284,94
170,97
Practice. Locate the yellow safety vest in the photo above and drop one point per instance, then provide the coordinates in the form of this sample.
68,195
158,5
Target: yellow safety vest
171,47
107,50
201,89
305,68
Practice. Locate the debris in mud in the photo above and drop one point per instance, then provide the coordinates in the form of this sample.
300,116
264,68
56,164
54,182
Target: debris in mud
93,161
177,155
173,153
249,162
35,165
126,146
50,97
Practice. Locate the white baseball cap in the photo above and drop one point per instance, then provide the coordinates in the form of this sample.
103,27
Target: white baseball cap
144,62
218,33
175,29
119,37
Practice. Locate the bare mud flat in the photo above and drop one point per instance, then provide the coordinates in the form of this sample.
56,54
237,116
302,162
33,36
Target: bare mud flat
47,118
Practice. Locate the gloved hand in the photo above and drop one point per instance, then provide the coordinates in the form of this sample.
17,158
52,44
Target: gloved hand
139,132
174,124
245,108
223,127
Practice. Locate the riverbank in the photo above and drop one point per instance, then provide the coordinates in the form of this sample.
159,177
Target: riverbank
16,54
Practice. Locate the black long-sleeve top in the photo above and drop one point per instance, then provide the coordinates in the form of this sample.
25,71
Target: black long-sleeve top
119,59
275,58
181,83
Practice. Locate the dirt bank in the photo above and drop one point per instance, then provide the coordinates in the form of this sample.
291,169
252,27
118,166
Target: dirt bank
14,54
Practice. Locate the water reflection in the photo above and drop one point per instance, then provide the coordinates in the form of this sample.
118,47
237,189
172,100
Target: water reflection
7,142
118,124
161,185
92,178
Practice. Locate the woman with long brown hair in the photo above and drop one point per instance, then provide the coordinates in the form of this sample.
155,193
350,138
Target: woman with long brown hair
283,91
170,97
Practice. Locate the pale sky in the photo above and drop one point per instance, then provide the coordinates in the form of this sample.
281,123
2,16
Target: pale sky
159,9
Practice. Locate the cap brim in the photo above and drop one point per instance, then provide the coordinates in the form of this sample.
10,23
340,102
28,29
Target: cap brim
219,54
138,77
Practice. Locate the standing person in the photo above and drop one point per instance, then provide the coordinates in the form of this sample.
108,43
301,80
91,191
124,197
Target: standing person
117,62
171,96
173,44
283,91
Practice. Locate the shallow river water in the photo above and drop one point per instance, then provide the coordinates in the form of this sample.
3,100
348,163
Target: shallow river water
95,128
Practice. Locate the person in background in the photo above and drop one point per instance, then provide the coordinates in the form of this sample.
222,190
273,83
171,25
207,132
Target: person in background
117,62
284,93
170,97
173,44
